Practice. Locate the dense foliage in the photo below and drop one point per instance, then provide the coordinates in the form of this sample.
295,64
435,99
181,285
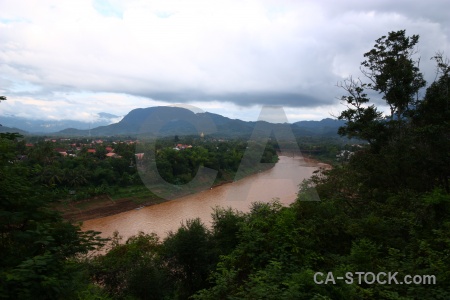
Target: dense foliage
82,174
386,209
180,166
38,248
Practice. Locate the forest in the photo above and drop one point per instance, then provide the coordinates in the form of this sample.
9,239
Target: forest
87,169
386,208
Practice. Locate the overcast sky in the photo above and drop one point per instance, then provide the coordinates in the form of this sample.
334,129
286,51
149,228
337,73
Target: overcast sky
72,59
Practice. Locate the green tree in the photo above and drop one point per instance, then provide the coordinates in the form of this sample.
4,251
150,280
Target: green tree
431,123
388,208
393,71
38,247
190,256
363,122
225,228
133,269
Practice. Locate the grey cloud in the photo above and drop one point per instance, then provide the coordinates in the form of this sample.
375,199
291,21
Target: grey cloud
246,98
295,61
435,10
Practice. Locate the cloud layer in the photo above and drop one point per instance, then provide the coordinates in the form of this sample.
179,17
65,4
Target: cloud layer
60,56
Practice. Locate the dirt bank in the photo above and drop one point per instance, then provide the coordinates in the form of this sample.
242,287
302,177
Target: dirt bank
312,161
101,206
104,205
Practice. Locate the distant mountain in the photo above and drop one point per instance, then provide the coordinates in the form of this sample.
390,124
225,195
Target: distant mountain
50,126
166,121
328,126
162,121
4,129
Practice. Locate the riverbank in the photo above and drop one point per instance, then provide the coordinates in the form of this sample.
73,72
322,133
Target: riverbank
137,197
280,182
313,161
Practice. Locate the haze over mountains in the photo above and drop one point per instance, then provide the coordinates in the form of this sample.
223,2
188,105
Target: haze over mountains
165,121
37,126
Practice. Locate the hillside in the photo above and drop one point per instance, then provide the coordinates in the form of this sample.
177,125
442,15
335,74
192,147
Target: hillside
166,121
39,126
4,129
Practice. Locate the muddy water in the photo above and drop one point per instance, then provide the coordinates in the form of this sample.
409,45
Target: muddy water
279,182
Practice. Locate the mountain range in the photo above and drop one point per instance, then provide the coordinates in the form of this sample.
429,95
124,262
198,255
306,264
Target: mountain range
36,126
166,121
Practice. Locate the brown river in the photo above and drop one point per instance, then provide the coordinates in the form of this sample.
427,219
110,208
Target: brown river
280,182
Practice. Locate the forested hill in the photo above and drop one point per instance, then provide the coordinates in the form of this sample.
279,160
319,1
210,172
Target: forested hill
4,129
165,121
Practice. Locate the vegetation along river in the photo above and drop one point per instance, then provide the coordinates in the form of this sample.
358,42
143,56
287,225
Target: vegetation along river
282,182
